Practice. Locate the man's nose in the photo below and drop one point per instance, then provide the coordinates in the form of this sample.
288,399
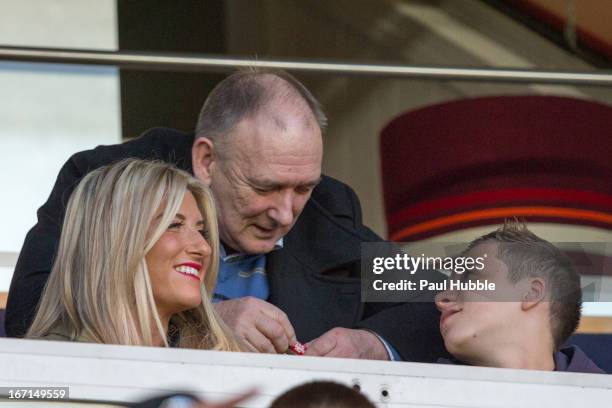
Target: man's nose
445,298
282,210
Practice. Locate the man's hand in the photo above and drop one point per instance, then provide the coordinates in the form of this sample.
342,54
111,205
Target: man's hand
348,343
262,326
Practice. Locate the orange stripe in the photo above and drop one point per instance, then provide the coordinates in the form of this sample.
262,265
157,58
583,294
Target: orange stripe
504,212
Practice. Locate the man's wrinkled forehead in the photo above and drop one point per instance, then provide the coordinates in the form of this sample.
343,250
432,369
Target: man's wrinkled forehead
281,132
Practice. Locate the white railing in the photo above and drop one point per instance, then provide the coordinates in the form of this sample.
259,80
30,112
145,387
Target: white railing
99,373
216,63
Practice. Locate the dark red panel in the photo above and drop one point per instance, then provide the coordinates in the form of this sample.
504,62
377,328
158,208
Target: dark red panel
496,152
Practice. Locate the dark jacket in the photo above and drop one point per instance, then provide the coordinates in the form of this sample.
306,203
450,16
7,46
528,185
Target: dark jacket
569,359
572,359
314,278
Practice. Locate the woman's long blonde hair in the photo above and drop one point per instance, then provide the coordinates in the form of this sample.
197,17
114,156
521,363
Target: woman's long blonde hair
99,288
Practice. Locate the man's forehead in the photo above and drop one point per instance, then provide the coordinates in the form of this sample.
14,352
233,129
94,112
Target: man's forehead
272,174
253,137
264,169
488,251
278,126
488,247
269,181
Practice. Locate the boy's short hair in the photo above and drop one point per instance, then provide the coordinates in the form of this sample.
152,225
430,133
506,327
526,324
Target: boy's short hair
528,255
322,394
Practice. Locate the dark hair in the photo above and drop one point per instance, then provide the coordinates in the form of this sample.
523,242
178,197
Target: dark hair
322,394
245,93
528,255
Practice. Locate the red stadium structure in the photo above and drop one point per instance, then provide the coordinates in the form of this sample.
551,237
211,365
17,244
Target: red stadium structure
478,161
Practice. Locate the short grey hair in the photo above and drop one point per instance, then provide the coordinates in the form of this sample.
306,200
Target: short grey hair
245,94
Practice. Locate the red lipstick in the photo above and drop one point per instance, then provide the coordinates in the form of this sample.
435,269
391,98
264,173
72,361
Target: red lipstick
193,265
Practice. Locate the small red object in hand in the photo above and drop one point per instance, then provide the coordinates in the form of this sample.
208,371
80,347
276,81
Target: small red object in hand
299,348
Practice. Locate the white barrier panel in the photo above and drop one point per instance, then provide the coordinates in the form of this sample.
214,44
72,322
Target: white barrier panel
101,373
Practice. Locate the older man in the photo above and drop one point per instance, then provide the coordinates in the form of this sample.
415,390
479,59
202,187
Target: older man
290,236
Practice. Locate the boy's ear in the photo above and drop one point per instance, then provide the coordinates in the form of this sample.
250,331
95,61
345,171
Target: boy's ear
535,293
202,158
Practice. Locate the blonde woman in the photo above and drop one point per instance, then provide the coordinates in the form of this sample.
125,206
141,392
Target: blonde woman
137,262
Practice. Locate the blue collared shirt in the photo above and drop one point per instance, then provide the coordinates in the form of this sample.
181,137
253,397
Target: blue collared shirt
243,275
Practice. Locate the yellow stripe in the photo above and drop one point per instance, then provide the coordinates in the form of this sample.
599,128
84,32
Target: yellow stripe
595,324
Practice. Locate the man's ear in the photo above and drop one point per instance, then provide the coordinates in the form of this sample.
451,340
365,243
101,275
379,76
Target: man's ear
202,158
535,293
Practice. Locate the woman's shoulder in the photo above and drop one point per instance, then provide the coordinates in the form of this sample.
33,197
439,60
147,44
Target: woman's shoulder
60,333
55,337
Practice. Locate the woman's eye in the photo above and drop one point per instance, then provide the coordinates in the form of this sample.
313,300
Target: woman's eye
205,233
175,225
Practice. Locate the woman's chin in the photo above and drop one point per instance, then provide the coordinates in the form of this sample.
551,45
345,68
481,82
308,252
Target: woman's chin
187,306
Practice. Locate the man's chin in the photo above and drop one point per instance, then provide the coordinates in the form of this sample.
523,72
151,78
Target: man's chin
258,246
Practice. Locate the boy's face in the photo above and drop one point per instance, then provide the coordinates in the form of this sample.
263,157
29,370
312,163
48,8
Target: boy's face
477,323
